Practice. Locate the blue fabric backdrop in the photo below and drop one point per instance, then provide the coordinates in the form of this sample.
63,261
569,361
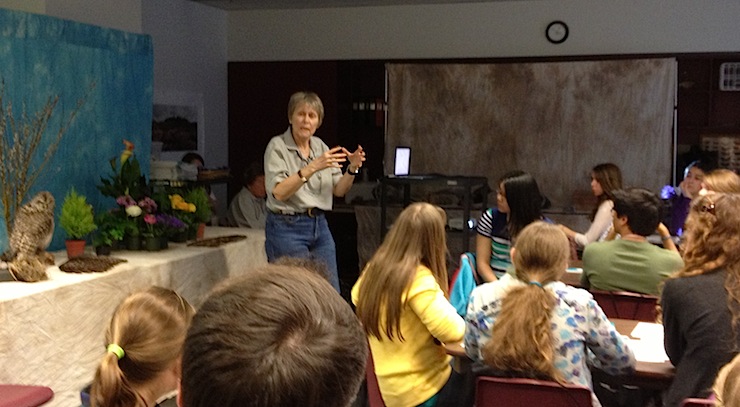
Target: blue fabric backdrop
42,57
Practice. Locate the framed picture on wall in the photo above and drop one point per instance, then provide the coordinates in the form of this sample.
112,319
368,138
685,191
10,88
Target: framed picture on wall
177,122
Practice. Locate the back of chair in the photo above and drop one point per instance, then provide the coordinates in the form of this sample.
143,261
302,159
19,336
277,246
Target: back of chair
16,395
697,403
626,305
374,398
500,391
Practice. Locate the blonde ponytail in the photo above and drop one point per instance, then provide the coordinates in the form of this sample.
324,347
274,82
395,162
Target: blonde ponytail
145,335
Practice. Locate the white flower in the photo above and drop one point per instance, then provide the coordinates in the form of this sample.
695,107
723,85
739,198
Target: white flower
133,211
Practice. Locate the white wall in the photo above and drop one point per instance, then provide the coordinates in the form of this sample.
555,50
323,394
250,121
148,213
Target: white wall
190,64
481,30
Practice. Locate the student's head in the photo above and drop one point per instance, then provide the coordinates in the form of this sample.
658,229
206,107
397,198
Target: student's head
722,180
144,342
712,235
521,339
312,100
416,237
194,159
311,264
605,178
639,208
727,385
278,336
540,253
693,176
519,196
254,179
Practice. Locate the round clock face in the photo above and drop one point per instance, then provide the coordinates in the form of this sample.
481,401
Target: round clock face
556,32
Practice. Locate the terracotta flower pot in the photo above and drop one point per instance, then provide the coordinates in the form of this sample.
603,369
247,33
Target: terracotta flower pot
75,248
201,231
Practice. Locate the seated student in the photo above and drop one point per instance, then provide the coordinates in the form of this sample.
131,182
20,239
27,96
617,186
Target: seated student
631,263
721,180
532,325
605,178
726,387
700,302
247,208
144,343
518,203
688,189
401,299
279,336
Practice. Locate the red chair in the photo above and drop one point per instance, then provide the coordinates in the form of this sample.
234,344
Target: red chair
626,305
501,391
697,403
18,395
374,398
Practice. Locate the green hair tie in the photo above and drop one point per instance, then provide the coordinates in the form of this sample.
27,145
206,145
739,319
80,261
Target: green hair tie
117,350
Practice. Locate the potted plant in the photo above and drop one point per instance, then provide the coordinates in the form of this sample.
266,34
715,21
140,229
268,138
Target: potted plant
78,221
151,233
199,197
183,210
111,229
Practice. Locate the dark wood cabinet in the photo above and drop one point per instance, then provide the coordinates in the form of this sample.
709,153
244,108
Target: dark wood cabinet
702,107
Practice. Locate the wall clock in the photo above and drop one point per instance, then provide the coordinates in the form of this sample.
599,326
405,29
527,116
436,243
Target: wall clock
557,32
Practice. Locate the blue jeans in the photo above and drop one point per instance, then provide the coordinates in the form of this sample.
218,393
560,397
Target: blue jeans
304,237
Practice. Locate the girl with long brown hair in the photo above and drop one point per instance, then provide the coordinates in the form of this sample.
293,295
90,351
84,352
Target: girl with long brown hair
701,302
401,300
605,178
143,348
533,325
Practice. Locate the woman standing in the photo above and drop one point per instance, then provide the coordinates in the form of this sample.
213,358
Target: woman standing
518,203
532,325
401,300
701,302
302,175
144,344
605,178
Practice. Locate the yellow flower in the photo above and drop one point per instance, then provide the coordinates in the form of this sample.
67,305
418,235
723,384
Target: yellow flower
179,203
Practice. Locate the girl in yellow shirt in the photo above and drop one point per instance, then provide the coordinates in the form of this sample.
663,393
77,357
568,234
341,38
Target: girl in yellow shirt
402,302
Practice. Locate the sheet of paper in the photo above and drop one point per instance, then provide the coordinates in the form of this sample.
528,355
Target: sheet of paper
647,330
649,351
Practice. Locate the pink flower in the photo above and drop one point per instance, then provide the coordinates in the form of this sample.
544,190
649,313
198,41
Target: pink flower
125,201
150,219
148,205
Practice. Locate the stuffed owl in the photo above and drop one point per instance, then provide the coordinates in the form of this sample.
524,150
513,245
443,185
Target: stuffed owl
33,227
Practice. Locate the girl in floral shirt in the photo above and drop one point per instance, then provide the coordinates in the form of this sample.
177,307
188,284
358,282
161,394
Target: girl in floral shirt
532,325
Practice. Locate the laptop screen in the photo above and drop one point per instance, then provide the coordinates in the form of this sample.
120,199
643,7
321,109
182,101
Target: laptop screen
402,161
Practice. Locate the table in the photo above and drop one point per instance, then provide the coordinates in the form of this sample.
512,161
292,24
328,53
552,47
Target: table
51,332
647,374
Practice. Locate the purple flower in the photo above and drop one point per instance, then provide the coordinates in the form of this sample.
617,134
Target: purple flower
170,222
